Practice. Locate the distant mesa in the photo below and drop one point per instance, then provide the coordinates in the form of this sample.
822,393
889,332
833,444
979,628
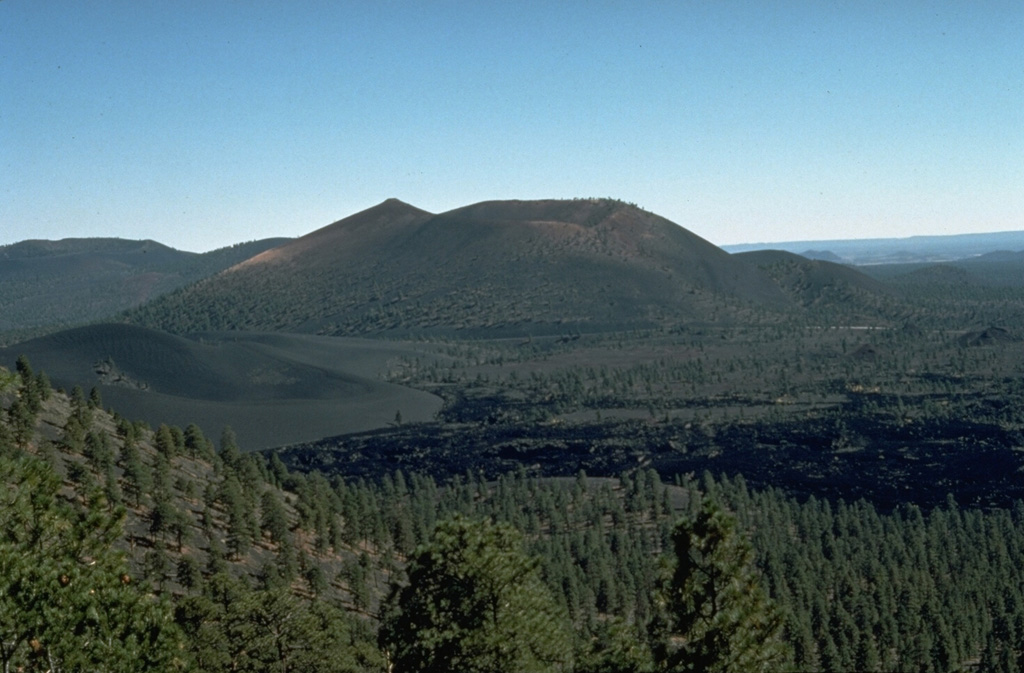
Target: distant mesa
912,250
822,255
1001,256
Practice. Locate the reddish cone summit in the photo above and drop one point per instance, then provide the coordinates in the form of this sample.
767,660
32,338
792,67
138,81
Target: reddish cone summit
506,266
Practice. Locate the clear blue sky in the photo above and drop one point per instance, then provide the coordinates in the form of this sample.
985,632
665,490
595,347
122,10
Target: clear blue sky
206,123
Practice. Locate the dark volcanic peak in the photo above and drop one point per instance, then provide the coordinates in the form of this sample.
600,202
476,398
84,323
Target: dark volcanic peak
598,230
818,283
585,212
348,237
781,264
769,257
517,267
823,255
589,243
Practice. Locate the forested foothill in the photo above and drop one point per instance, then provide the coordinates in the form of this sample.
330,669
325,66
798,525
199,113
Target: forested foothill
53,284
819,474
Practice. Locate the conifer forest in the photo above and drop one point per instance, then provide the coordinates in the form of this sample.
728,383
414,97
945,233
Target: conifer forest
680,460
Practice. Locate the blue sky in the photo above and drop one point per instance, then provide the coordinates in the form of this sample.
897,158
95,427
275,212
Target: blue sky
202,124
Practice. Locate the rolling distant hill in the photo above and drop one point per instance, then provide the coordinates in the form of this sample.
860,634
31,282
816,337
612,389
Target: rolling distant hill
815,283
498,267
78,280
910,250
999,268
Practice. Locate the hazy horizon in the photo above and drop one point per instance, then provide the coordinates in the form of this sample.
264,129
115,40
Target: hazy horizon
738,244
203,125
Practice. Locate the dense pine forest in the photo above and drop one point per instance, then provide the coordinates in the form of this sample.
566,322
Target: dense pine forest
130,548
588,441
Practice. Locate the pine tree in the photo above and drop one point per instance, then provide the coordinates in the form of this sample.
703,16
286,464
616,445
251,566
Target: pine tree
240,531
616,647
66,598
32,393
95,399
196,444
274,519
165,444
232,628
230,454
80,407
22,421
717,617
474,602
138,477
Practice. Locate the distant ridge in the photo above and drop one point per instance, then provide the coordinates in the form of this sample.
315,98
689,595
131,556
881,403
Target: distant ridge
346,238
910,250
823,255
77,280
816,283
516,267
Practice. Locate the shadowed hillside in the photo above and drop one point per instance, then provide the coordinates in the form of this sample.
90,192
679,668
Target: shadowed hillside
824,285
999,269
80,280
272,389
515,267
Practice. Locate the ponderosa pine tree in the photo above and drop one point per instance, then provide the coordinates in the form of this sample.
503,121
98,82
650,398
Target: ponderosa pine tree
164,440
138,477
196,444
474,602
67,601
716,615
233,628
615,647
273,517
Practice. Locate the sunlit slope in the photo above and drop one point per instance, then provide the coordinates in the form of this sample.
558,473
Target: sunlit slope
522,267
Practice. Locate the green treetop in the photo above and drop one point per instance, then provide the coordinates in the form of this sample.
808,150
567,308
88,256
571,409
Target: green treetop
717,616
66,599
474,602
